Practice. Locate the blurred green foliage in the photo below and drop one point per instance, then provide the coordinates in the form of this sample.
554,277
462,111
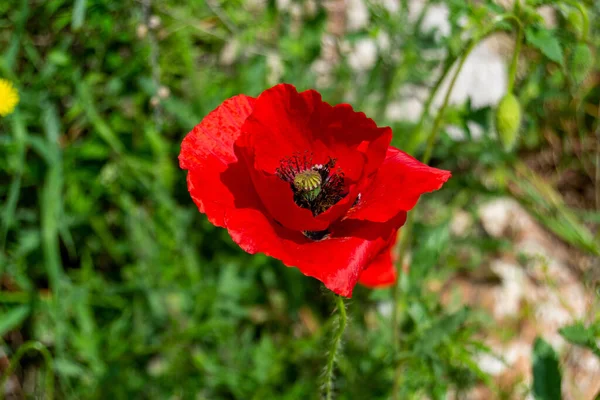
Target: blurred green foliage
106,261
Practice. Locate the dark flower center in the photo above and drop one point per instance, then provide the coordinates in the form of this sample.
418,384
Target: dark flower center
316,187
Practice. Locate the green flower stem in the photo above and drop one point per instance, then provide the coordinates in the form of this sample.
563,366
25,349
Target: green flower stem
440,115
515,59
407,228
585,19
597,178
402,248
29,346
464,55
335,347
451,59
447,67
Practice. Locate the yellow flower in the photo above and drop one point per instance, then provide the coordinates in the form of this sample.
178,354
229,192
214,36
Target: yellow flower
9,98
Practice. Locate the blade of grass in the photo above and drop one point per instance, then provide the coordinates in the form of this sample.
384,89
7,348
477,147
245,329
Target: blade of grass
78,14
549,208
51,212
13,318
20,134
51,199
101,128
12,52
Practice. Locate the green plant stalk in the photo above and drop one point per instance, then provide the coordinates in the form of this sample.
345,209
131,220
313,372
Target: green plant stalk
28,346
452,59
335,347
597,177
440,115
447,67
585,29
421,17
512,74
405,239
407,229
402,248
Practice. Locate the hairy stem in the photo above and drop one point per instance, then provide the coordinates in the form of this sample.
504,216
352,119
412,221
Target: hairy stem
402,248
335,347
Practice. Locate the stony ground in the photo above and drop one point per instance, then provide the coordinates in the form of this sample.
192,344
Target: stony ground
533,290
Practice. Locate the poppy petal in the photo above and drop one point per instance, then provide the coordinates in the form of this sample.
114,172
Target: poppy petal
397,186
352,129
216,181
381,272
285,123
280,127
336,261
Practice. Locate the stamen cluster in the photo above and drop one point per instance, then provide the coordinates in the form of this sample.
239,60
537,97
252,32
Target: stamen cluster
316,187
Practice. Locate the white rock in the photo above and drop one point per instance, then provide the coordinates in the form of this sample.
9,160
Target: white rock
508,298
404,110
364,55
455,133
516,350
392,6
275,67
490,364
482,79
496,215
461,223
383,41
320,66
458,134
230,52
437,20
552,312
283,5
548,14
357,15
476,130
385,308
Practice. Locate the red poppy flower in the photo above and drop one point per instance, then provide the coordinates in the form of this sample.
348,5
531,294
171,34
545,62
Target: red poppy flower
313,185
381,272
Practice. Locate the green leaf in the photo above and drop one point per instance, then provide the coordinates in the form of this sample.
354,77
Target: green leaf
546,373
442,329
13,318
545,41
580,335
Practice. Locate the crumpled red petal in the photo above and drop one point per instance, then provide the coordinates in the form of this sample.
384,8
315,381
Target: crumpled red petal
381,273
397,186
337,261
284,123
217,181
